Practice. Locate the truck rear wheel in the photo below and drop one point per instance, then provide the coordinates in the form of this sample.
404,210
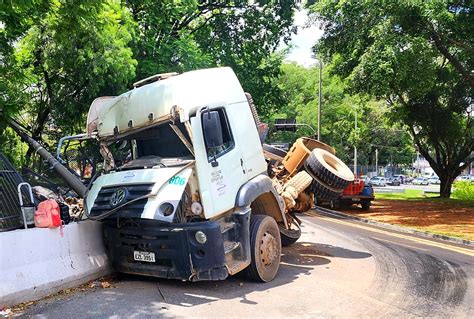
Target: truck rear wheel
329,169
334,204
265,248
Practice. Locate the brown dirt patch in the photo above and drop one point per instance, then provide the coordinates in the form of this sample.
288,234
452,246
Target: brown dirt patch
449,218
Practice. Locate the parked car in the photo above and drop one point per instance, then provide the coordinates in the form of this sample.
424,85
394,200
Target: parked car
434,180
378,181
402,178
394,181
365,178
465,178
408,180
421,181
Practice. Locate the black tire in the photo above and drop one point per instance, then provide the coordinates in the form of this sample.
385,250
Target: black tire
260,269
317,201
274,150
334,204
323,192
324,174
289,236
365,204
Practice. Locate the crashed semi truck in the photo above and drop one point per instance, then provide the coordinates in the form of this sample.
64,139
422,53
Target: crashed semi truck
189,190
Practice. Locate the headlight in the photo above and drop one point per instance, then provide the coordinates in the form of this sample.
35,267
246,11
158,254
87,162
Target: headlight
166,209
200,237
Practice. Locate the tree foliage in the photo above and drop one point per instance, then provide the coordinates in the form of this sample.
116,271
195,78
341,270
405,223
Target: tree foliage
374,131
181,36
419,57
70,54
58,55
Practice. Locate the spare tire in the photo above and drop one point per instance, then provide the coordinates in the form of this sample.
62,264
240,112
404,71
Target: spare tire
321,191
329,169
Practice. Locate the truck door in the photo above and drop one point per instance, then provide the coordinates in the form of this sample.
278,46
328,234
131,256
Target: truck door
220,170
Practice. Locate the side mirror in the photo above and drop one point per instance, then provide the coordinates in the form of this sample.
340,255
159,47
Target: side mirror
212,130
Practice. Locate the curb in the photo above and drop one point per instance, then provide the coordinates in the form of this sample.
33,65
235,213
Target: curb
453,240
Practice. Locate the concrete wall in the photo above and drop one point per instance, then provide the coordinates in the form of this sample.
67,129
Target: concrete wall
37,262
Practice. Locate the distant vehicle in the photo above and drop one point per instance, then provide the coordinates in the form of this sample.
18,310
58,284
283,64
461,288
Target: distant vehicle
365,178
421,181
394,181
434,180
402,178
465,178
357,192
408,179
378,181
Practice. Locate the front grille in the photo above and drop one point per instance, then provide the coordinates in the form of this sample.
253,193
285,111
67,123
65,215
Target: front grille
102,202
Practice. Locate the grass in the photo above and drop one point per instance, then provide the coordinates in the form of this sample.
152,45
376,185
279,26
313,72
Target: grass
408,194
419,195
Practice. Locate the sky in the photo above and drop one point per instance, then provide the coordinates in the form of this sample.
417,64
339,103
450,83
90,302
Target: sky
303,41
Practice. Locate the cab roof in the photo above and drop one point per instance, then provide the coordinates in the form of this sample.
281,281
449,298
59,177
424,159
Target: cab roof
152,102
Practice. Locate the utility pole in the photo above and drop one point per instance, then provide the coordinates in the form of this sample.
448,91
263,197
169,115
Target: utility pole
320,98
355,146
376,161
417,167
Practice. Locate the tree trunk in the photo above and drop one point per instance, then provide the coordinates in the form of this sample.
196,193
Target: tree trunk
445,187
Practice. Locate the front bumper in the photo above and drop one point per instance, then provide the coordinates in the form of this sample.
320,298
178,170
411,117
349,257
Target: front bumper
177,253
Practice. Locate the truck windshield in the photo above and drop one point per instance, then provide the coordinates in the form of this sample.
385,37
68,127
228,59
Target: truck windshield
151,147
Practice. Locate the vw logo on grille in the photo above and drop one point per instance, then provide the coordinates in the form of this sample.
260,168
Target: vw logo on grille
118,197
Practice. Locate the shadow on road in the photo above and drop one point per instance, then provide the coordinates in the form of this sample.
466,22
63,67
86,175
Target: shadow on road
315,249
297,260
133,295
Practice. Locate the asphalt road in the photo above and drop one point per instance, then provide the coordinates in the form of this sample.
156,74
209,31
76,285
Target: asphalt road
337,269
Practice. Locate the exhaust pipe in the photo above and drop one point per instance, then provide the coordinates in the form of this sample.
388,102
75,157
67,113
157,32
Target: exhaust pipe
73,181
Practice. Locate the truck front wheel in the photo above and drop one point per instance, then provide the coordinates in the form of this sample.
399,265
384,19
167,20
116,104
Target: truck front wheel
265,248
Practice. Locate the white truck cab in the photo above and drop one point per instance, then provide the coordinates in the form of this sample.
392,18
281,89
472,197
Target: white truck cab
186,193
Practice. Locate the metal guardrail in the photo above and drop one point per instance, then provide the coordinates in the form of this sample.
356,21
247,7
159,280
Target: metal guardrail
10,211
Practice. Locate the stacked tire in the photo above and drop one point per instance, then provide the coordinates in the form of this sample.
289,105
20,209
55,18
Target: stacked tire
330,175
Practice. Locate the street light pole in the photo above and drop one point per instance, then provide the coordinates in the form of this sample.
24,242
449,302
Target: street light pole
355,146
320,98
376,161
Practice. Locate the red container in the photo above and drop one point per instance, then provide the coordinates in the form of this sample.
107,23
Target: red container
48,214
354,188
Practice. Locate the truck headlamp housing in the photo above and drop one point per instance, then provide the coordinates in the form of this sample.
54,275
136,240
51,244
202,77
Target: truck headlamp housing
166,209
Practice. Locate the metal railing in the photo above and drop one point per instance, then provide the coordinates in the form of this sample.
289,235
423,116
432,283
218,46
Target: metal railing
10,211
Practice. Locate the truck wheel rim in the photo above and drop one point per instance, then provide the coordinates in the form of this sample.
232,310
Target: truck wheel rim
268,249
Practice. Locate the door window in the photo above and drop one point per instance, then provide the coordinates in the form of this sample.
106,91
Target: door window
228,141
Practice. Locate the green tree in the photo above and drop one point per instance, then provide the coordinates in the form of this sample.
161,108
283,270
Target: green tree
69,56
184,35
419,57
300,100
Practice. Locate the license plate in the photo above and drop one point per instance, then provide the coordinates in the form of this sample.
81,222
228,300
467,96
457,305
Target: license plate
144,256
356,198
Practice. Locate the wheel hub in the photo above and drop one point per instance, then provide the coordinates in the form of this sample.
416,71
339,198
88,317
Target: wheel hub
268,249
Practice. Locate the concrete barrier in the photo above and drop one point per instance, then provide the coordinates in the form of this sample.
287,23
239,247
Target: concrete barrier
37,262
